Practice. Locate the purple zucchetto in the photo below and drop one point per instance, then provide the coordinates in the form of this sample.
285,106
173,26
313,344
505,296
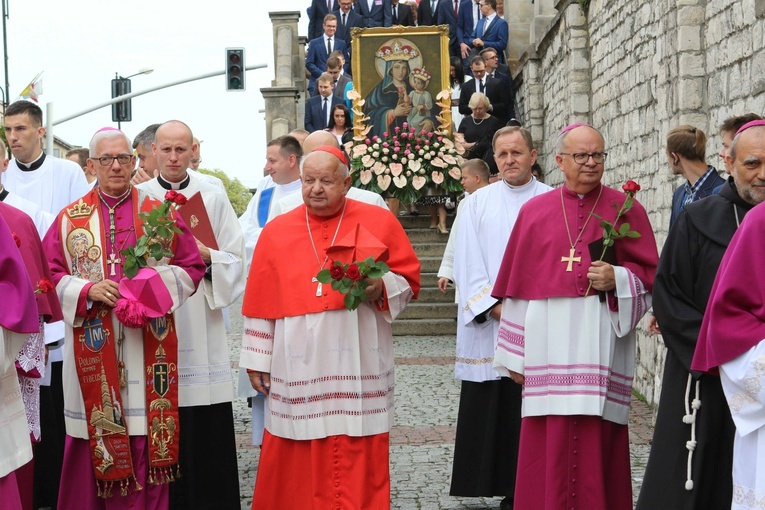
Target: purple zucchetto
574,126
748,125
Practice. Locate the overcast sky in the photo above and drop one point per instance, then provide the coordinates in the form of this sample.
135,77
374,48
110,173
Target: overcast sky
80,44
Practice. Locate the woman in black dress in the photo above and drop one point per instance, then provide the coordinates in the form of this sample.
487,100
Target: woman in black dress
479,127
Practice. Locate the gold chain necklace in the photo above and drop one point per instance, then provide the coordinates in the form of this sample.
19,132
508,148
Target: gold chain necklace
113,258
571,259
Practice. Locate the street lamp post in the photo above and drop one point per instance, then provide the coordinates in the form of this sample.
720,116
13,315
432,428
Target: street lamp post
49,123
5,55
121,112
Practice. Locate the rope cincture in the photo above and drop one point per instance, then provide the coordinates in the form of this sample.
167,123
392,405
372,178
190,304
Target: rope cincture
690,419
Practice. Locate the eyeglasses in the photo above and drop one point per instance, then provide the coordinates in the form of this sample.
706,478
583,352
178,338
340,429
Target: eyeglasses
581,157
122,159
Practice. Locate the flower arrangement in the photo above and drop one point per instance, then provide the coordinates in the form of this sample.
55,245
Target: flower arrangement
159,229
406,160
610,232
351,279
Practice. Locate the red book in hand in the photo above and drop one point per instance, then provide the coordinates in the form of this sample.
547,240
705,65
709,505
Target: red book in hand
195,215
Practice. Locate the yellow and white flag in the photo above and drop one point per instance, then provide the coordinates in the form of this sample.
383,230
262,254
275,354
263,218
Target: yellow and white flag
34,89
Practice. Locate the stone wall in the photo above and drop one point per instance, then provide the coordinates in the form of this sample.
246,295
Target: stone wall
635,70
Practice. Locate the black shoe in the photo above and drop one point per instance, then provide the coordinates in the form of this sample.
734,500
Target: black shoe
506,504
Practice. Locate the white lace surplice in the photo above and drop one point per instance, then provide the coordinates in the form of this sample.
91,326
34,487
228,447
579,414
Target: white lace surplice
332,372
743,381
30,364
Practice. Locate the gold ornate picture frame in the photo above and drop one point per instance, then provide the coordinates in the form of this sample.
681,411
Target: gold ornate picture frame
386,62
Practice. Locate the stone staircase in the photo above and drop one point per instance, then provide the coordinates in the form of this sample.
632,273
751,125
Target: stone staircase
433,313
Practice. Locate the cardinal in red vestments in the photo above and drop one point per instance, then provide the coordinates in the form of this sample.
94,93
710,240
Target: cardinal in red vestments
328,372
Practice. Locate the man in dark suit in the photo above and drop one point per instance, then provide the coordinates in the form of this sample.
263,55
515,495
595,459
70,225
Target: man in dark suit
319,108
491,59
467,19
316,13
320,48
427,12
376,13
447,15
339,80
492,87
347,19
401,14
490,31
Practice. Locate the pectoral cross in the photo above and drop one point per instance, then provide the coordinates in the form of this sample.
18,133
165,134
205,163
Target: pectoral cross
570,259
318,287
113,261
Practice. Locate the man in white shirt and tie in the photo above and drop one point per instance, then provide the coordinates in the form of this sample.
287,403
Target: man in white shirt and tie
320,48
492,87
319,108
347,19
490,31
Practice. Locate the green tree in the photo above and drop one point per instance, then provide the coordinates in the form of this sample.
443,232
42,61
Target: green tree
238,194
5,141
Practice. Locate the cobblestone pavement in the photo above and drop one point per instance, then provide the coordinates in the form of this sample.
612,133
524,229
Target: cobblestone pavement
422,439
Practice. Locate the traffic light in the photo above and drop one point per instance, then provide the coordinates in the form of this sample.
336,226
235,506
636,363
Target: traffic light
234,68
122,111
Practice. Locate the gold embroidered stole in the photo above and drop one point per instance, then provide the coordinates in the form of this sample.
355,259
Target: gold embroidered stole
97,366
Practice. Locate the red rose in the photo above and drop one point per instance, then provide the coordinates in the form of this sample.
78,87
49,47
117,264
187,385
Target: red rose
353,272
631,187
170,195
44,285
336,272
179,199
17,239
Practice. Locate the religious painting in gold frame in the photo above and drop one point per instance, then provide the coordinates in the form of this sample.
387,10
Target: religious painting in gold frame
399,71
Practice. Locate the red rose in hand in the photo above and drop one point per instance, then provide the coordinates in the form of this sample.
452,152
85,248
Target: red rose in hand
17,239
631,187
353,272
179,199
336,272
171,195
44,285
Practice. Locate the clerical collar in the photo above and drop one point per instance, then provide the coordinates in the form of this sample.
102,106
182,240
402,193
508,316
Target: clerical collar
291,186
3,193
111,198
522,186
593,192
174,185
34,165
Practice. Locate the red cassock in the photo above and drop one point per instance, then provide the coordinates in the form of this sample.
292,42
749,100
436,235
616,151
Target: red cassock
333,469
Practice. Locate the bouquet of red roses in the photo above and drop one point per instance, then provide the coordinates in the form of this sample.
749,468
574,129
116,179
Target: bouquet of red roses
357,257
143,295
159,229
351,279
